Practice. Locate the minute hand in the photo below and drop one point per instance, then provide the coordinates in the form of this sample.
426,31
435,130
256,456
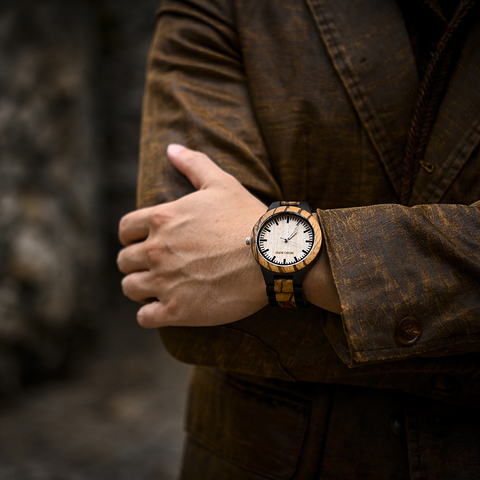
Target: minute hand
292,234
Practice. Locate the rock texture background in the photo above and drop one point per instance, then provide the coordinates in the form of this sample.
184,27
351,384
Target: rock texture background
71,80
85,393
50,186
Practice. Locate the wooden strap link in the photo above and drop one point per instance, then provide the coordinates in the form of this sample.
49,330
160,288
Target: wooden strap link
284,293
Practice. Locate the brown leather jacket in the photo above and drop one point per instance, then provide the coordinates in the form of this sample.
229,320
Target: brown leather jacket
312,100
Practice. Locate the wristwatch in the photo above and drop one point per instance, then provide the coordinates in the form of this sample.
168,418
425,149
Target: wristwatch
285,242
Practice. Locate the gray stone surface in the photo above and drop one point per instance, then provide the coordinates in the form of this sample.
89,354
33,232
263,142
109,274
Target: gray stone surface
71,85
111,402
50,243
119,417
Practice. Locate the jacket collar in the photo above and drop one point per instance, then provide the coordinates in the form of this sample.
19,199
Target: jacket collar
371,52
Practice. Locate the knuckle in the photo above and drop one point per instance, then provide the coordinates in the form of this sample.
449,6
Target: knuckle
153,252
172,310
158,217
155,219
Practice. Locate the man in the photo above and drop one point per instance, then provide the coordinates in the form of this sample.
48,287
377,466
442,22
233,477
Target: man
370,112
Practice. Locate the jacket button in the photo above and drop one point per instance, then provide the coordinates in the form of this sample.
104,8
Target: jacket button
407,331
446,384
398,425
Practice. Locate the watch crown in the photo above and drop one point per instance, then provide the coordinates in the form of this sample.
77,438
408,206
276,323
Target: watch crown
247,240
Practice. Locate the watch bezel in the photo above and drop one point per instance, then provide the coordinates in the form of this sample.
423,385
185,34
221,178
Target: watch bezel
287,269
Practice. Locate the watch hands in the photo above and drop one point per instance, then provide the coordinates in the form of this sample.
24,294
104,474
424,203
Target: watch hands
291,241
287,239
293,233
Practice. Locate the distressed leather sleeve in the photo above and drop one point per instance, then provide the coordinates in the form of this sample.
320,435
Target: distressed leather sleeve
197,95
390,262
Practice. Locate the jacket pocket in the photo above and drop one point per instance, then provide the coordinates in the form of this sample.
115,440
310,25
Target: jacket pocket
255,428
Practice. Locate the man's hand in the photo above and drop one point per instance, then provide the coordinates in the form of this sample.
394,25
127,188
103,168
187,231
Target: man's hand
187,261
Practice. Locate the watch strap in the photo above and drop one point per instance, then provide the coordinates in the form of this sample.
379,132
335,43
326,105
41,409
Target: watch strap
302,205
284,293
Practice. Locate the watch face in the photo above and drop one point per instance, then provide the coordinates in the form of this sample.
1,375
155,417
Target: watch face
285,239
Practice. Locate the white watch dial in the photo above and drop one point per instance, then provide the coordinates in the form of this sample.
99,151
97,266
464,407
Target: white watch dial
285,239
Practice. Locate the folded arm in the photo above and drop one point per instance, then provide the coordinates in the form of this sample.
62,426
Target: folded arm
388,261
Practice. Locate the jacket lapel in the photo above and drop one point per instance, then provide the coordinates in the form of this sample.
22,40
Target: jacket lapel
456,132
370,49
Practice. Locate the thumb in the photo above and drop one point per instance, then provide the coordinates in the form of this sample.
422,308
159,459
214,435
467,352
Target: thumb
196,166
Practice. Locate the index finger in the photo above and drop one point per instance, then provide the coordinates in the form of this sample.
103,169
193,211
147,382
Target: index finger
133,227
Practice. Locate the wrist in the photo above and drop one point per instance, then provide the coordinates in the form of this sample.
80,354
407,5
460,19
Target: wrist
319,286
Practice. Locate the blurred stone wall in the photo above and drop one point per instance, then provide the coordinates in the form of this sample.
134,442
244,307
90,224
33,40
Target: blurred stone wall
71,81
